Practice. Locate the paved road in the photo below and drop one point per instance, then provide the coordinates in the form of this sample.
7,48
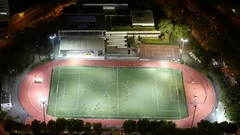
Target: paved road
19,26
15,82
231,37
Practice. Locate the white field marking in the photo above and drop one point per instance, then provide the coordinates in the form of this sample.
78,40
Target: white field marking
172,83
57,95
64,90
171,99
78,89
169,88
57,88
76,108
204,92
177,96
117,94
106,91
157,92
111,116
171,92
153,93
29,95
62,73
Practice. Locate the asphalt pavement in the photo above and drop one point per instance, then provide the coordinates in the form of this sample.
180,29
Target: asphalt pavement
17,110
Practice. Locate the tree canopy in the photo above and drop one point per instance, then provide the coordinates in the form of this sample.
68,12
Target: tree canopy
165,26
129,126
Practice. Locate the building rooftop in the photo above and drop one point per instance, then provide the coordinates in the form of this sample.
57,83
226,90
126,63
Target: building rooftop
142,18
106,1
83,21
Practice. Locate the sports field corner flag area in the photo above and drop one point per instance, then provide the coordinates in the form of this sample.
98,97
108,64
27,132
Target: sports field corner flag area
117,93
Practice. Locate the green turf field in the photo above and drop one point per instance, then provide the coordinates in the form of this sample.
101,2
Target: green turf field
117,92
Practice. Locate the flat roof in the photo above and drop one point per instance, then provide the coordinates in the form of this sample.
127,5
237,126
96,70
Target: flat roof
105,4
142,16
81,44
83,21
106,1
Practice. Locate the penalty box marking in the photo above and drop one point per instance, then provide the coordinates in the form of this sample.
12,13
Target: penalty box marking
169,85
79,95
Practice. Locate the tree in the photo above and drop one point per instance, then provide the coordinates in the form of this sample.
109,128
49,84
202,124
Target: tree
229,128
87,127
2,131
163,127
43,126
97,127
180,31
51,126
19,126
3,114
143,126
165,26
129,126
9,125
154,125
61,124
75,125
27,129
205,127
36,127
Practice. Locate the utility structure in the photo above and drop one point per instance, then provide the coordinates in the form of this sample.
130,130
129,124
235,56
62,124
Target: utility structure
183,41
43,106
53,39
195,107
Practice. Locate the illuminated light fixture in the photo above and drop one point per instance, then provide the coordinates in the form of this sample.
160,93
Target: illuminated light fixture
233,10
3,13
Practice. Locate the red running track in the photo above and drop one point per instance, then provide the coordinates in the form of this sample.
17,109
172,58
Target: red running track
195,83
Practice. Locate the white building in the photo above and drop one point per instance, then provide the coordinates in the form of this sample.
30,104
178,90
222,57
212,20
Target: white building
4,11
142,18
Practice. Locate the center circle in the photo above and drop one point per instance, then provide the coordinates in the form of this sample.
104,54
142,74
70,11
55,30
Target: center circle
117,91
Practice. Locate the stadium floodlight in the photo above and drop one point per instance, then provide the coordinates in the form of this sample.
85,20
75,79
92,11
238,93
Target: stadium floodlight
52,38
183,41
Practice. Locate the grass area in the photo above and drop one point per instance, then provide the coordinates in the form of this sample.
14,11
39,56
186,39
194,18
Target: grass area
154,41
117,92
130,28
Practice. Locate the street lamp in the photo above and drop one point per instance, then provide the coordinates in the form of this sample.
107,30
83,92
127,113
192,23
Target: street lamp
43,106
195,107
52,38
183,41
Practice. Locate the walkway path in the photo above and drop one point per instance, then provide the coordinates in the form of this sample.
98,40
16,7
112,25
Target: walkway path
199,91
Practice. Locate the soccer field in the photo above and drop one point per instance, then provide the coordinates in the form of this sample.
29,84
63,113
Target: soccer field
117,93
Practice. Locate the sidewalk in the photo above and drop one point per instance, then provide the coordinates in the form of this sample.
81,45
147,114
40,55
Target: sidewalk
15,82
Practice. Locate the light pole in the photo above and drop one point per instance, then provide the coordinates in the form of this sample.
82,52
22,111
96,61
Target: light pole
183,41
195,107
43,106
53,38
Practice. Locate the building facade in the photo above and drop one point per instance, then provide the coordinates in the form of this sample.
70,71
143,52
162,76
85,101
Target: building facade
4,11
